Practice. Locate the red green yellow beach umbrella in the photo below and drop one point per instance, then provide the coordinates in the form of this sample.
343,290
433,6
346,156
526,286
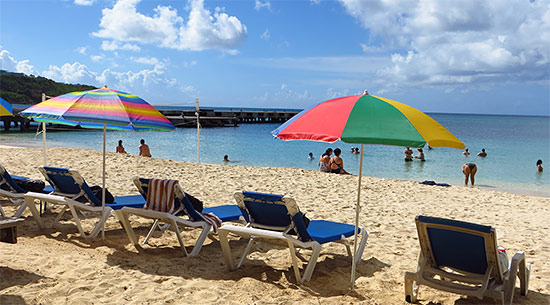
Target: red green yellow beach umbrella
102,108
366,119
6,109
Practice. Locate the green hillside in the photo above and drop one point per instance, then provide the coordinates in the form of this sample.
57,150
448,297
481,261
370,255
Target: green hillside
18,88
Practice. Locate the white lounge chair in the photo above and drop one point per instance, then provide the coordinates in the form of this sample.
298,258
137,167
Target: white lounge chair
277,217
463,258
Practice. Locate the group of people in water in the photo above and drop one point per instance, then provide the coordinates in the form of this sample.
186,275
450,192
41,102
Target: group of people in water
143,148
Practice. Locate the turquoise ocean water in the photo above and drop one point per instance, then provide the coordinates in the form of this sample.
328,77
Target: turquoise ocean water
513,144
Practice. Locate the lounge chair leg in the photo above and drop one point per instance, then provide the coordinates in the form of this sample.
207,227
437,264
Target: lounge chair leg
61,214
178,235
362,244
20,210
411,288
198,245
29,202
524,273
245,253
316,249
123,218
226,249
153,227
294,262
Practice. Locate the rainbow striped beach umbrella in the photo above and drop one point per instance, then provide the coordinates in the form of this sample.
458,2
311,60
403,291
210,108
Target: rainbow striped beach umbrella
117,109
6,109
366,119
102,108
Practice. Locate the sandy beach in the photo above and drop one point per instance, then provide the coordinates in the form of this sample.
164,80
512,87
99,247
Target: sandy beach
57,266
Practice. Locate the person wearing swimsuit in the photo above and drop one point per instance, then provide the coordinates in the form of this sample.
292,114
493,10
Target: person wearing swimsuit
336,164
469,170
324,161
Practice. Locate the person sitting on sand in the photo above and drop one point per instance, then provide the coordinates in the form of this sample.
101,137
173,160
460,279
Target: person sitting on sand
144,149
120,148
482,153
466,152
336,163
408,154
420,155
469,170
324,161
539,166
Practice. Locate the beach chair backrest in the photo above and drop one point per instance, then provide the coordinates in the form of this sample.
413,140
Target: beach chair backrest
182,205
69,183
7,183
459,245
272,212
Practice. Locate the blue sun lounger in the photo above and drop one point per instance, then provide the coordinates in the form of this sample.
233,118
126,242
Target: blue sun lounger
277,217
70,189
183,207
10,190
463,258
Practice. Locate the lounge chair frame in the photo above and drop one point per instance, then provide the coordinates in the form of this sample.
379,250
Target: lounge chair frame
65,196
255,231
195,220
494,282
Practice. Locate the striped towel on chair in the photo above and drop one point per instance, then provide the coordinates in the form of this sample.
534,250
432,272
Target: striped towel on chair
160,196
212,219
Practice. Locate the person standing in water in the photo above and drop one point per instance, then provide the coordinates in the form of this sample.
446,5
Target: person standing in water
539,166
469,170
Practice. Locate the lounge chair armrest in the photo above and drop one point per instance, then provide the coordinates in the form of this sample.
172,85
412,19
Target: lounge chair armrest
519,256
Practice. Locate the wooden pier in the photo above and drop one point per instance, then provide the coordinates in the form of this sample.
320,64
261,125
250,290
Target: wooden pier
208,117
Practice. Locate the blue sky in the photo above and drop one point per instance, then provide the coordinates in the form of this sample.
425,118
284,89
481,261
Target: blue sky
451,56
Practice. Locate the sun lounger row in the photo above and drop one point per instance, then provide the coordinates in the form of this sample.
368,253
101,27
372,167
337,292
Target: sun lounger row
456,256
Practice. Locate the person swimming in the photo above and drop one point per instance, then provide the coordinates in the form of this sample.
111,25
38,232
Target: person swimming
466,152
482,153
225,158
408,154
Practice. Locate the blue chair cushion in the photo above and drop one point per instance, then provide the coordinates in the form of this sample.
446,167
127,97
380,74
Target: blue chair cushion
324,231
132,201
228,212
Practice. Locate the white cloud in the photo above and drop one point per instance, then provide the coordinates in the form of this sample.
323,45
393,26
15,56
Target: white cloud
262,4
8,63
82,50
72,73
453,43
285,97
203,29
84,2
315,1
145,60
97,58
265,35
115,45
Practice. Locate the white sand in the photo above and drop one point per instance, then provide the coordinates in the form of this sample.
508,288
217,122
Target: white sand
57,266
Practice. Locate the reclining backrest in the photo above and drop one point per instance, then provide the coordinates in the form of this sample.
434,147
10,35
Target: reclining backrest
7,183
182,205
459,245
272,212
69,183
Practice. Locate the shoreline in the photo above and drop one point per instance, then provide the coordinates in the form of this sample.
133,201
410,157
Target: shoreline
527,191
56,265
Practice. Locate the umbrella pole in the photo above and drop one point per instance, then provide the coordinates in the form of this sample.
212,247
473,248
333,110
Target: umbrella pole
44,142
357,209
103,186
